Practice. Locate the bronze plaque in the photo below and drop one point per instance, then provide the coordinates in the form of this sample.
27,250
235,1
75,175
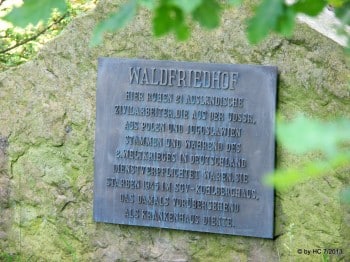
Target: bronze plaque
185,145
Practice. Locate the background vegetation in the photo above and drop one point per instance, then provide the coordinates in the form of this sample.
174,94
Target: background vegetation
24,30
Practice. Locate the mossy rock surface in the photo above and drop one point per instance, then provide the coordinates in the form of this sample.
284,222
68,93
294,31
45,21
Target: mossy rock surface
47,122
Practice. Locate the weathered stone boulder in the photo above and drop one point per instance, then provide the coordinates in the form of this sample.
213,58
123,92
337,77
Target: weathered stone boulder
47,121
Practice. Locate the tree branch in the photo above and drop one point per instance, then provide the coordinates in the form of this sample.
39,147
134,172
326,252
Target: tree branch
34,36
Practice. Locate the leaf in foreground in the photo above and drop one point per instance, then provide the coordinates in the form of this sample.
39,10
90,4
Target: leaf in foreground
170,18
115,21
303,135
208,14
235,2
309,7
286,22
186,5
343,13
33,11
166,18
265,20
285,178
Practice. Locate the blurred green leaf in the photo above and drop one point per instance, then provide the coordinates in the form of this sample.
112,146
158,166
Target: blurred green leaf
303,134
235,2
167,18
309,7
286,22
150,4
170,18
336,3
284,178
186,5
115,21
264,20
343,13
208,14
182,32
33,11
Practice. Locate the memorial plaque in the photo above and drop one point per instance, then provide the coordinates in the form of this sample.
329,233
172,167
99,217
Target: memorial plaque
185,146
